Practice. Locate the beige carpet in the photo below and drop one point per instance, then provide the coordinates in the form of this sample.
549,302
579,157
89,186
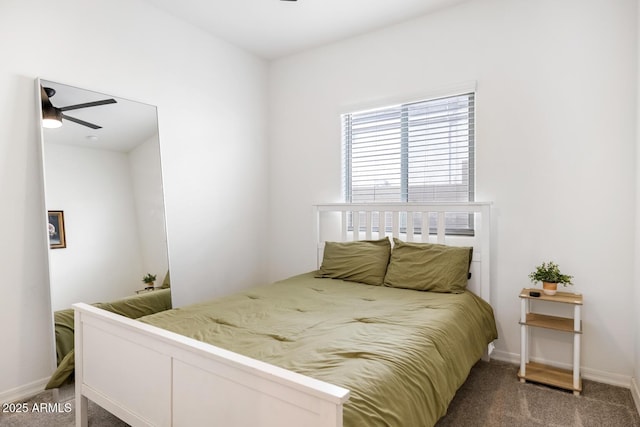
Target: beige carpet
45,412
492,396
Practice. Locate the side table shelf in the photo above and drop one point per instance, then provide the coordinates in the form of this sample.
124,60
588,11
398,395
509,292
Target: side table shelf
540,373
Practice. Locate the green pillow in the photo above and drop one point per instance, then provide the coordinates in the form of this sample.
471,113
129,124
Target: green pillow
428,267
362,261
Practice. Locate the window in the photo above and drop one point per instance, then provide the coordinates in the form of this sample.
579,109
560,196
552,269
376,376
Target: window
416,152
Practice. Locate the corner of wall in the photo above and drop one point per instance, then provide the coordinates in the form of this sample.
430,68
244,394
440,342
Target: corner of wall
23,392
635,392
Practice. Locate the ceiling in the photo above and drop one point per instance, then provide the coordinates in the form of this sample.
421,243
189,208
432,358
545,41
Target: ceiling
268,28
125,124
276,28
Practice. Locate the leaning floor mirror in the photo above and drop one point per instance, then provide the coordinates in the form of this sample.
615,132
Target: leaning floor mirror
105,205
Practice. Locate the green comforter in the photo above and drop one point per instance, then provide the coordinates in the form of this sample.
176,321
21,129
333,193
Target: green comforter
401,353
133,307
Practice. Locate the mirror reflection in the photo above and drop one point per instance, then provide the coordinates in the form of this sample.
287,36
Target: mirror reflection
103,191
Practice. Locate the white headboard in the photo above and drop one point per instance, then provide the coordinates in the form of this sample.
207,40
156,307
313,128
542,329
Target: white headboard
351,221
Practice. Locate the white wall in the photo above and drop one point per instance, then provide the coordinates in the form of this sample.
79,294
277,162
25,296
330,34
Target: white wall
146,173
114,219
102,260
205,90
556,88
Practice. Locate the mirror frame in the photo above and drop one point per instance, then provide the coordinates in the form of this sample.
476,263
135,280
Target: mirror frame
45,218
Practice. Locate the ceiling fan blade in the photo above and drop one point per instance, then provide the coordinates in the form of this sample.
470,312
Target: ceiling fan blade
81,122
88,104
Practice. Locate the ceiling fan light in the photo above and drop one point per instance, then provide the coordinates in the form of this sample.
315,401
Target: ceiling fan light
51,117
51,123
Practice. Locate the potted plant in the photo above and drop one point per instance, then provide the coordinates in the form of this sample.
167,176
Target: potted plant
148,280
549,274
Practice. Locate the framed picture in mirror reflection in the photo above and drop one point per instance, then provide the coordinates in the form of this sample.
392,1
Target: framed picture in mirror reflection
57,237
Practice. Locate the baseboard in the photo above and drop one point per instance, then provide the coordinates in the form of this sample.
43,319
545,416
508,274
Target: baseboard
635,392
604,377
23,392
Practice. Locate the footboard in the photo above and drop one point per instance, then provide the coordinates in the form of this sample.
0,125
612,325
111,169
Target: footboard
148,376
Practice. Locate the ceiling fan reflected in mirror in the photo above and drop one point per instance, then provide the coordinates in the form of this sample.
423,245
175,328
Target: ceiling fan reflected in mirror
52,116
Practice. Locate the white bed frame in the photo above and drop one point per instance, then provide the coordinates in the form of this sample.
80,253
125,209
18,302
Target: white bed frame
148,376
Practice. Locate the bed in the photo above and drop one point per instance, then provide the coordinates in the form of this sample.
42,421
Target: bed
132,307
313,351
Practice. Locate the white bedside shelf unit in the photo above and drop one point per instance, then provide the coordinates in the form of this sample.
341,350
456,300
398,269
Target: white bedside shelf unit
537,372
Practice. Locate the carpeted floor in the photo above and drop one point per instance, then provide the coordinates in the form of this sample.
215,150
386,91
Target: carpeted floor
42,411
492,396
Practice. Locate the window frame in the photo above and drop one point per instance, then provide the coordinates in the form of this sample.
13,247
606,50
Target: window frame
347,150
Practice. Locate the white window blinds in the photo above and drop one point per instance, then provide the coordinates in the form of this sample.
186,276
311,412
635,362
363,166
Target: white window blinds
416,152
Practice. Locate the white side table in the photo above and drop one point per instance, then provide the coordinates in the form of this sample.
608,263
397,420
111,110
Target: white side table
545,374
